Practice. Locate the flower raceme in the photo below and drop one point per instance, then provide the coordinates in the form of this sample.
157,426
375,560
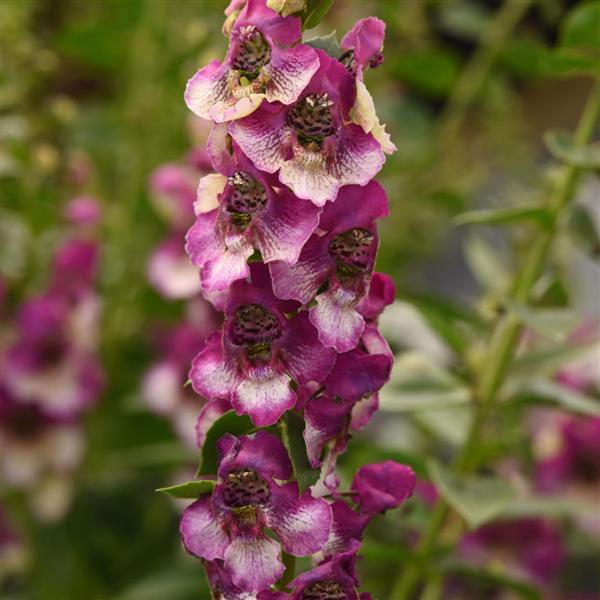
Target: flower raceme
285,239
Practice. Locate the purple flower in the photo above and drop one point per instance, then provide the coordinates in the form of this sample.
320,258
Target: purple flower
328,414
170,271
529,547
83,210
313,143
163,386
260,64
229,523
251,215
47,364
173,192
74,268
333,578
222,587
342,259
383,486
363,45
258,352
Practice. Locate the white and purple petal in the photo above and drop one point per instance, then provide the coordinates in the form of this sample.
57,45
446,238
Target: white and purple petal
201,531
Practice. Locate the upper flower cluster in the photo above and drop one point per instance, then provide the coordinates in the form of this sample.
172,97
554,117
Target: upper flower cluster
285,238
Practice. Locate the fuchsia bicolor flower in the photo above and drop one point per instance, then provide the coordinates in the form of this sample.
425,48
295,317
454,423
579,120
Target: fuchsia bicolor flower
252,213
263,62
363,45
259,352
313,143
341,259
228,524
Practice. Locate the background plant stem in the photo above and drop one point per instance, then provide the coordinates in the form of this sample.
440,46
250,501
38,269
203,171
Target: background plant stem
502,346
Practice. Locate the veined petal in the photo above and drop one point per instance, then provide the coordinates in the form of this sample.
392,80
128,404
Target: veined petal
347,526
201,532
363,411
264,394
262,136
262,452
254,563
202,241
305,357
285,227
289,72
208,94
209,188
302,524
337,320
222,586
212,374
302,280
220,271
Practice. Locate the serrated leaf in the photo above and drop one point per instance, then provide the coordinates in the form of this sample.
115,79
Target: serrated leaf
503,216
189,489
560,145
230,422
314,12
477,499
292,426
328,43
553,323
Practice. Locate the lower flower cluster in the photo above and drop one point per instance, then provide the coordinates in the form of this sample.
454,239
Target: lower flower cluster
285,238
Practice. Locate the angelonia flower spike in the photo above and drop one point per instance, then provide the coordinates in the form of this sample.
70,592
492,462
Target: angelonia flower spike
285,240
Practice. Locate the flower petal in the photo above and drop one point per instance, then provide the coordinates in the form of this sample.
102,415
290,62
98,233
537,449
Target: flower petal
302,280
289,72
382,292
254,563
347,527
230,265
302,524
285,226
383,485
201,532
212,374
305,357
264,394
337,320
209,188
262,452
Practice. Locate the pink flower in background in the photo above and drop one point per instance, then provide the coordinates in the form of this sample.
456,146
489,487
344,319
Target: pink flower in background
228,524
83,210
363,45
262,62
313,143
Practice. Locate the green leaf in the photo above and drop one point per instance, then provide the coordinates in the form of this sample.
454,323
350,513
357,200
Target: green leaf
450,424
582,27
560,145
314,12
583,231
548,362
227,423
501,216
553,323
292,426
566,398
485,264
328,43
549,506
491,576
189,489
418,383
477,499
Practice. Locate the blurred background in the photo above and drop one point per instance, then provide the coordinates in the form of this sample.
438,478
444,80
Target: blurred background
99,160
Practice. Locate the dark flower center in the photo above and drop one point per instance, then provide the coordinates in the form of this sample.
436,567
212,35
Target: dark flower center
245,489
252,52
24,421
254,327
312,118
349,61
351,250
247,196
324,590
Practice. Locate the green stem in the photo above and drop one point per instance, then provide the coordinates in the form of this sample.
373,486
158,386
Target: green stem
502,346
473,76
